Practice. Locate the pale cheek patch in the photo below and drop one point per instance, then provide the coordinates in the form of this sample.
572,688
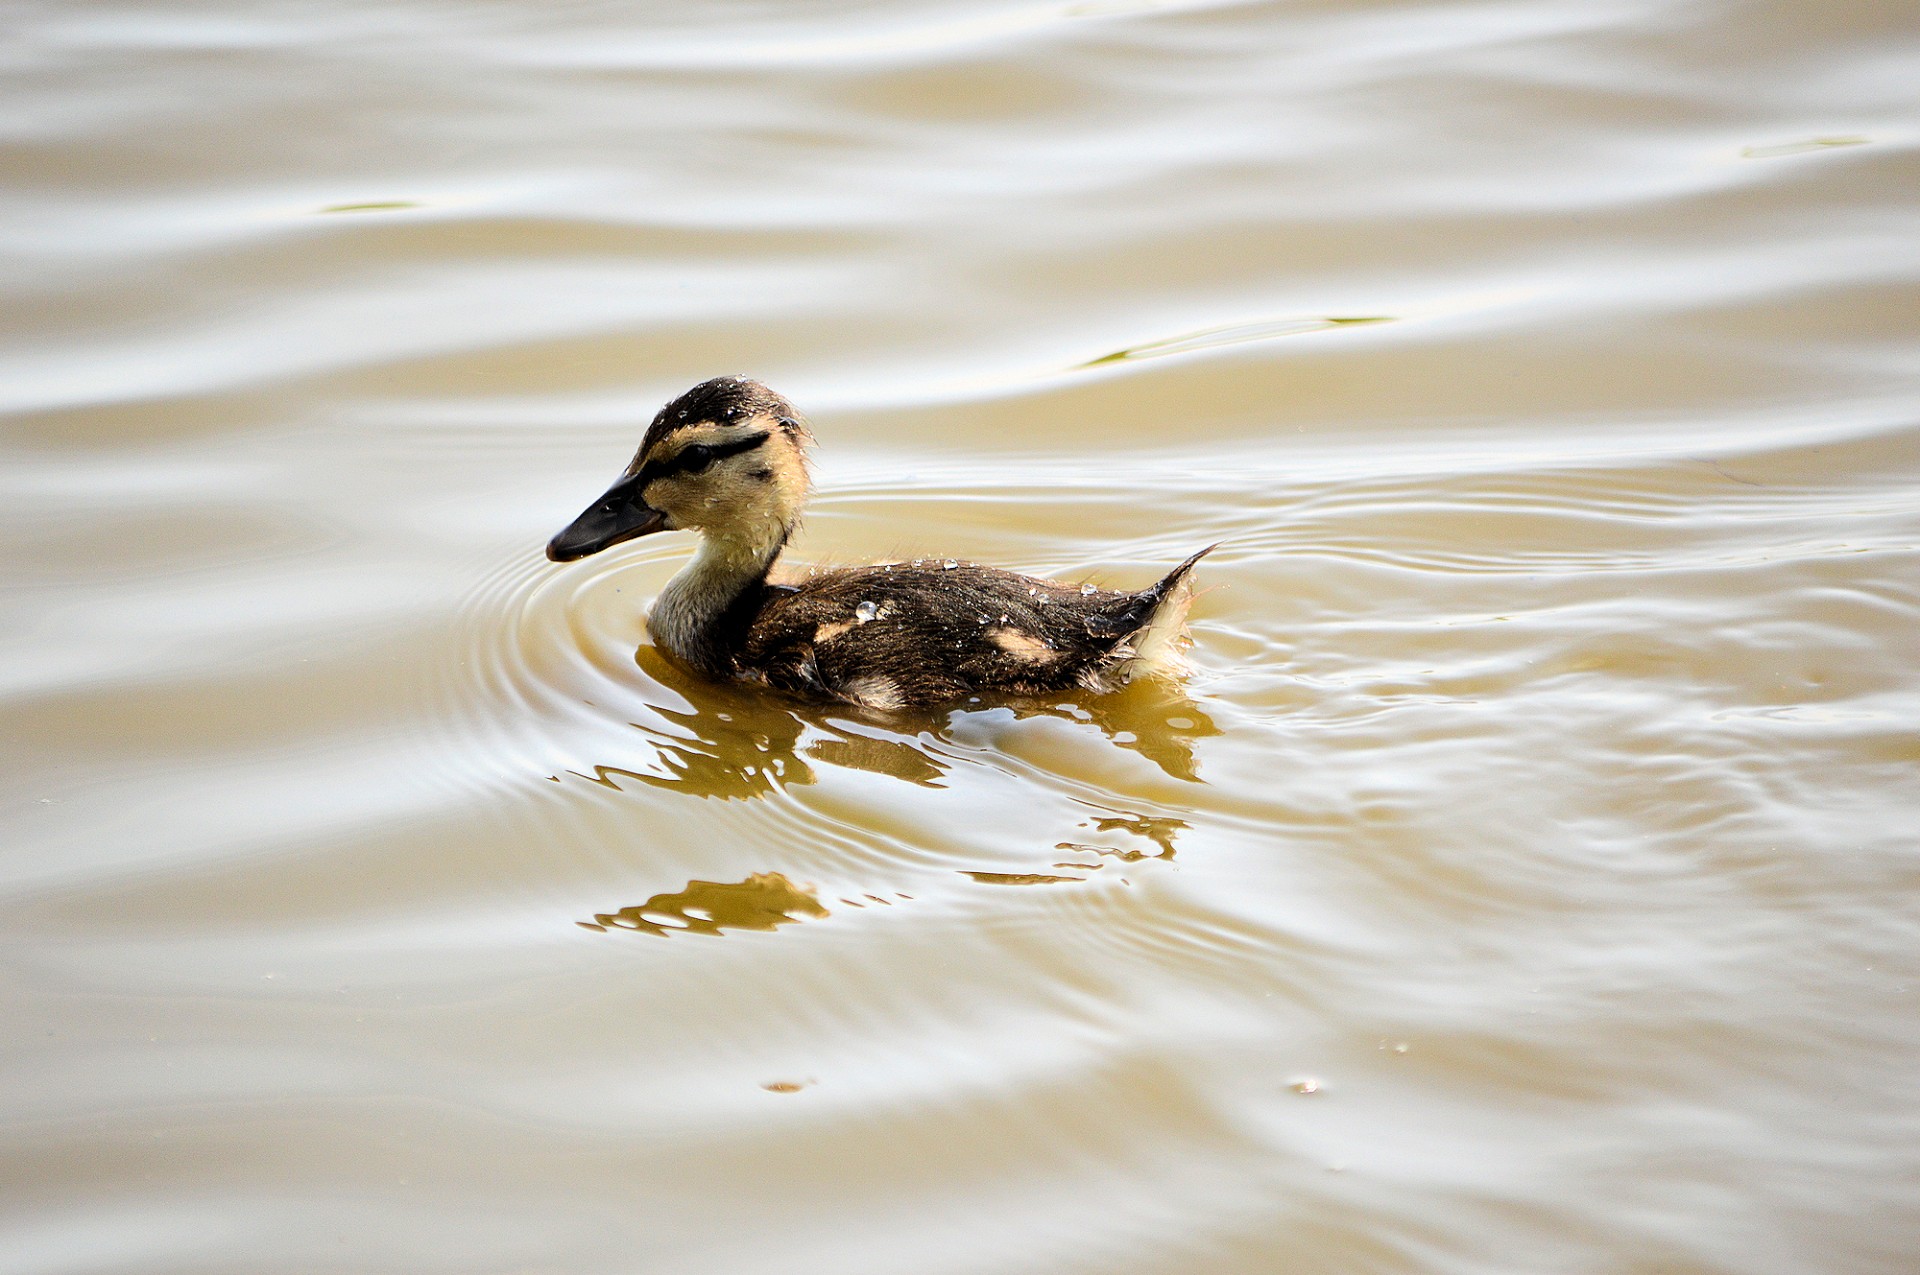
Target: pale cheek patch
828,632
1021,646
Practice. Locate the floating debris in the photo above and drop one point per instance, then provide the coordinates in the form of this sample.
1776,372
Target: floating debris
383,205
1235,334
1801,148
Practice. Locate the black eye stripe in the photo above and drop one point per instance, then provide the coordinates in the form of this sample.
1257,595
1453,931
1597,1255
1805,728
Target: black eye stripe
697,456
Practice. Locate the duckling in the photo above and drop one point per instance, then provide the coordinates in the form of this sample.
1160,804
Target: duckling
727,459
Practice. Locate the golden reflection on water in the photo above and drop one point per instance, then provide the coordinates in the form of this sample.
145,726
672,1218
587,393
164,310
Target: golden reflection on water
1019,878
1159,830
764,901
738,741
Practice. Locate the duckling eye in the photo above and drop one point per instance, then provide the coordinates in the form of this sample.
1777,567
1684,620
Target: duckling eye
694,458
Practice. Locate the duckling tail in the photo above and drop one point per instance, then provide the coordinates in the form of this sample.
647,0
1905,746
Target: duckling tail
1158,644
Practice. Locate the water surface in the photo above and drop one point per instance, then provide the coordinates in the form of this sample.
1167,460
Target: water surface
1525,881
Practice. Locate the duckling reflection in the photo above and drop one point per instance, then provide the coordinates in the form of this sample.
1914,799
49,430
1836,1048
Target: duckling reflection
738,741
1021,878
731,742
743,741
764,901
1156,830
1156,720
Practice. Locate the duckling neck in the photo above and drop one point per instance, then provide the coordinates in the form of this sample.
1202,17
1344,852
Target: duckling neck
701,617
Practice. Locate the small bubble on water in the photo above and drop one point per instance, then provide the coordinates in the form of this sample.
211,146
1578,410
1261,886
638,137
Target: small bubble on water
948,565
866,611
1305,1084
1088,589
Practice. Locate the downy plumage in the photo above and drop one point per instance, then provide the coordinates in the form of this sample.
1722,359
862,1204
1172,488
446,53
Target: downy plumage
727,459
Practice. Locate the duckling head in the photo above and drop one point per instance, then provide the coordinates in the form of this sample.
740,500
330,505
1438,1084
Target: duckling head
727,458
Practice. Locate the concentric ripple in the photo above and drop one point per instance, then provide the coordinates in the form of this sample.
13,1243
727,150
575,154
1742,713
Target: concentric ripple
558,696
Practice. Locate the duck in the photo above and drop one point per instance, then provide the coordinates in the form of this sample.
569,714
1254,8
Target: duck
728,461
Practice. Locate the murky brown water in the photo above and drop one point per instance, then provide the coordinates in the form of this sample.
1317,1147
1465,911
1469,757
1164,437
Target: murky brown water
1528,881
